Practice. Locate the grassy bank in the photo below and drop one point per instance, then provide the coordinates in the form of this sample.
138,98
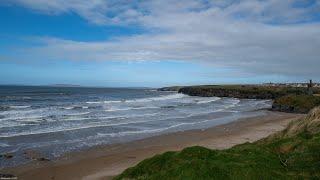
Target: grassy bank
290,154
243,91
296,103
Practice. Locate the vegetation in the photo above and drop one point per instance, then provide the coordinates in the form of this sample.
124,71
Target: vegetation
296,103
244,91
290,154
287,99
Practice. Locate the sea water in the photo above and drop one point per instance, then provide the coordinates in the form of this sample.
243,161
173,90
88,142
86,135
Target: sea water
56,120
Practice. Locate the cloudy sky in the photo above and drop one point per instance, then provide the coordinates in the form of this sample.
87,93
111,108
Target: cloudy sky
158,42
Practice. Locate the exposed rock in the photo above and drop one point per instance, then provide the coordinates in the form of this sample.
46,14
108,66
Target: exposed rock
167,107
35,155
43,159
4,108
284,108
7,156
172,88
32,154
7,176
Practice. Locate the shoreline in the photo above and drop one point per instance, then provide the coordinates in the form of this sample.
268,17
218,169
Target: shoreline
106,161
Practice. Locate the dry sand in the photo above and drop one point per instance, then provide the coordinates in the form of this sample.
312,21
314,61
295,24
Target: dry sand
104,162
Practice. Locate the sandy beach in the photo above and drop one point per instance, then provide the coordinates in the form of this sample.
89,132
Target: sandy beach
159,89
104,162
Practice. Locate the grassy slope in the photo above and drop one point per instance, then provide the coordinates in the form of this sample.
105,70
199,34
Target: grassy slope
254,89
244,91
296,103
291,154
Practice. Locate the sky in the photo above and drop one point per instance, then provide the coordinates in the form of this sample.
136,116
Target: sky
154,43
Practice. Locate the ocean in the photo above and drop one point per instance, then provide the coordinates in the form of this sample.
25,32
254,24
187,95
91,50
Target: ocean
57,120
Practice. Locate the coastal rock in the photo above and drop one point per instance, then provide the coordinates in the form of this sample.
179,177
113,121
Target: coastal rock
43,159
7,156
8,176
172,88
32,154
4,108
284,108
35,155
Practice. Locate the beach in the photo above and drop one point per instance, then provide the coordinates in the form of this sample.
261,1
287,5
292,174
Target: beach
156,89
48,122
107,161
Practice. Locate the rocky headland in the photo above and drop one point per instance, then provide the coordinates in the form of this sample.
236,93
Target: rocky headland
286,99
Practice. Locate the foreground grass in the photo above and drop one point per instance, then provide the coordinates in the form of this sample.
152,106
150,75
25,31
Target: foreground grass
291,154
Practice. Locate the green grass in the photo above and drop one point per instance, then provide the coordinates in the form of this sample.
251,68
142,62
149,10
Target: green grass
288,99
296,103
291,158
285,155
244,91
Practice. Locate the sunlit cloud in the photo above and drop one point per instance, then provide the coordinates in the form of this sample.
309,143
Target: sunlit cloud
259,37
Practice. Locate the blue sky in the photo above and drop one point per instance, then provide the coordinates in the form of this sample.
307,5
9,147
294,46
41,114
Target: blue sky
158,43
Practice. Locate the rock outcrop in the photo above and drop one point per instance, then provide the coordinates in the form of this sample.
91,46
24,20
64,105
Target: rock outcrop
172,88
286,99
8,176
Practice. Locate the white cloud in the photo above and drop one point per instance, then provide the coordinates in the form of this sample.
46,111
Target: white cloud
95,11
261,37
124,11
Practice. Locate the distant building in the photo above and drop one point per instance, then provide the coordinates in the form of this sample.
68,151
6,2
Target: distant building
306,85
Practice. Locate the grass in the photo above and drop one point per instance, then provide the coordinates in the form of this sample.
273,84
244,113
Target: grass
285,155
288,99
296,103
292,158
244,91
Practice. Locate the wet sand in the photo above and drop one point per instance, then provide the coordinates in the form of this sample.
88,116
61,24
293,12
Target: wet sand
104,162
